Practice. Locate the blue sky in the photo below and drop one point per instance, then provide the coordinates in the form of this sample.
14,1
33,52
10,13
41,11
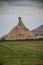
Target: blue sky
30,11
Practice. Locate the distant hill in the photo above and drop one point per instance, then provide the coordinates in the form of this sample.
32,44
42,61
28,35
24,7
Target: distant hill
38,31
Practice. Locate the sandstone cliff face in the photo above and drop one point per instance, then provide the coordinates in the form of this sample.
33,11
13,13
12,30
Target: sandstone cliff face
20,32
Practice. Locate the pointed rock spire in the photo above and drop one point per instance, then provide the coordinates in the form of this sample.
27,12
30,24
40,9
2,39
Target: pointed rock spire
20,21
19,32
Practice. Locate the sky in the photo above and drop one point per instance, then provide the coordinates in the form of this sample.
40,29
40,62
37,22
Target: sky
31,12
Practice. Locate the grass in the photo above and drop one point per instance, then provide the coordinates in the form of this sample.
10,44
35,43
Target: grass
21,53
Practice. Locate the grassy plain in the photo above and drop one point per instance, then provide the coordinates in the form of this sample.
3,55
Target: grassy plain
21,53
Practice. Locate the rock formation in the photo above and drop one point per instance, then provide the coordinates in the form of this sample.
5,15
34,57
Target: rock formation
38,31
19,32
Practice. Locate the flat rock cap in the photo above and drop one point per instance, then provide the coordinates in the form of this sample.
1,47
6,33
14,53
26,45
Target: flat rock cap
19,17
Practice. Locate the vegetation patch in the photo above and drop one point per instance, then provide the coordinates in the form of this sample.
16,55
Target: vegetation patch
21,53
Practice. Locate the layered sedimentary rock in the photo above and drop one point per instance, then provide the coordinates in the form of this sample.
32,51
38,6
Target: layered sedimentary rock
19,32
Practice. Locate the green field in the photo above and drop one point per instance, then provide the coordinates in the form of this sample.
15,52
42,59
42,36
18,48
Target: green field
21,53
